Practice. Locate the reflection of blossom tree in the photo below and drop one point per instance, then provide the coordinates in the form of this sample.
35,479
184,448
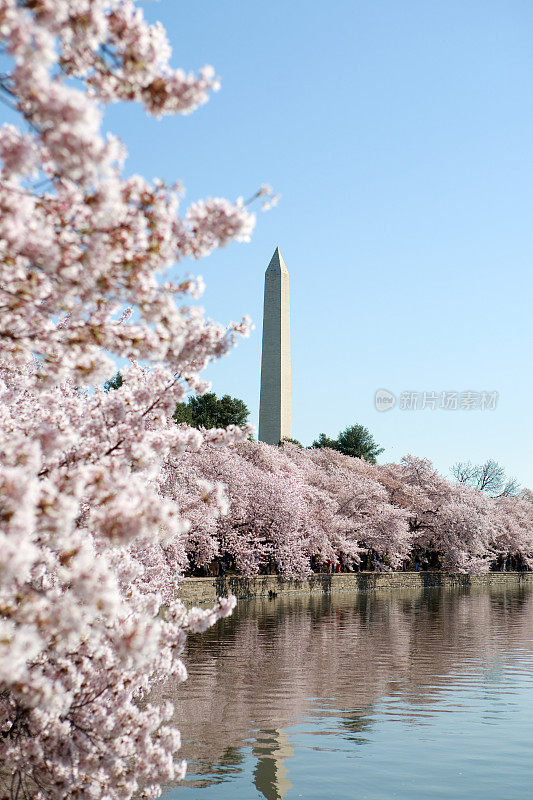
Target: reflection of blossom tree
259,670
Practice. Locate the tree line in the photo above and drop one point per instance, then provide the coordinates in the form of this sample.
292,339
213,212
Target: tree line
294,511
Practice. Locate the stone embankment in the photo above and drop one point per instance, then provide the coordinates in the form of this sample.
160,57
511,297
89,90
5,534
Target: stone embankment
202,591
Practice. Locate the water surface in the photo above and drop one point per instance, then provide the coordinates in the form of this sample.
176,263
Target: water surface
409,694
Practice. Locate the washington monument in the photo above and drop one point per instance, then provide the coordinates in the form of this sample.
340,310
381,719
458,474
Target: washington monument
275,422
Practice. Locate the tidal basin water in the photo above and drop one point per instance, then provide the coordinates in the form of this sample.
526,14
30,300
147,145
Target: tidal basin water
414,695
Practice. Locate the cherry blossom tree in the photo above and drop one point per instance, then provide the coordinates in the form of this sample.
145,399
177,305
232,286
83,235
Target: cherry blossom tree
266,519
452,521
363,518
286,506
513,534
103,499
84,251
289,509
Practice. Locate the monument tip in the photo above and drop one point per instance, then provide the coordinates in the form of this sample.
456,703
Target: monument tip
277,263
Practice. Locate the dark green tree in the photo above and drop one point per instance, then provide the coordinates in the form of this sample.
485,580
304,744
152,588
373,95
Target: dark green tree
355,440
113,383
288,440
183,413
325,441
209,411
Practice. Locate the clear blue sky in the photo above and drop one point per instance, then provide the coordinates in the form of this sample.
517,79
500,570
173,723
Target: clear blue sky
400,135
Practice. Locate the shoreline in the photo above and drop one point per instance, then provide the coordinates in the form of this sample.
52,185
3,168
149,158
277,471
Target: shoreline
200,591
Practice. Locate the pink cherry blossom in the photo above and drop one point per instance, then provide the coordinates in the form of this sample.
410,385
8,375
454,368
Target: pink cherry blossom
290,509
104,500
83,523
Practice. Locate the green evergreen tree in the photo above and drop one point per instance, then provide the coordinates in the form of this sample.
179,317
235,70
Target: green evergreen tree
183,413
355,441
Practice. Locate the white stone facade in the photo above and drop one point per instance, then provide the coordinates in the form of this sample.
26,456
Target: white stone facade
275,408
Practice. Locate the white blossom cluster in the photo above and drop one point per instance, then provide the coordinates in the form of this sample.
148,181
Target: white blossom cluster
83,251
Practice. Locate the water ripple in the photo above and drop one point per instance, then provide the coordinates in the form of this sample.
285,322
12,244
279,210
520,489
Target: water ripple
414,695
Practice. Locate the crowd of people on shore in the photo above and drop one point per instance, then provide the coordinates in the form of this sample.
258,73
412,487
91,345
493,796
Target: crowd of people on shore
425,561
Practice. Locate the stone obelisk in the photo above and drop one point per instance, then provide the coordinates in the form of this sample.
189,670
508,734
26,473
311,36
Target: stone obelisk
275,413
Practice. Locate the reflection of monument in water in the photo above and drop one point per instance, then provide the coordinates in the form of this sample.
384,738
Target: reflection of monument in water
273,661
271,748
275,414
